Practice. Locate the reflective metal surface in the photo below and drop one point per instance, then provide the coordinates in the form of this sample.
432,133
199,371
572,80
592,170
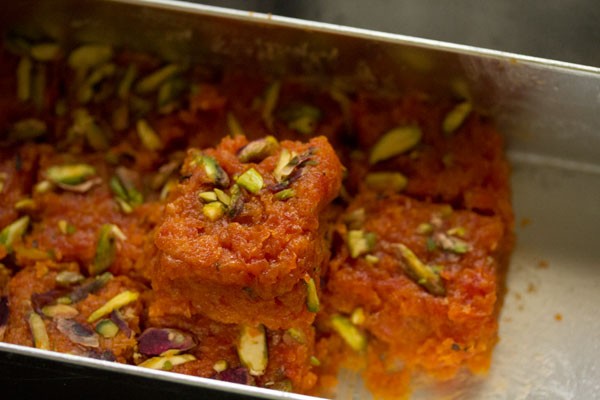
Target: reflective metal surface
548,110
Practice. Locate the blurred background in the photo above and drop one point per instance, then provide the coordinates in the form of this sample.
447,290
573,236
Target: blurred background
565,30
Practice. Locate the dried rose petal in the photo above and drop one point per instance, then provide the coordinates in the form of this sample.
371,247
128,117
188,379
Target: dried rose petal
77,333
89,286
116,317
3,310
155,341
40,300
105,355
236,375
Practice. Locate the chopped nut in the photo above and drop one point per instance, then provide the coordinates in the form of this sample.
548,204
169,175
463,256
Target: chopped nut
425,228
70,175
285,194
314,361
349,332
270,100
107,329
312,296
106,249
213,211
13,232
395,142
235,129
38,331
214,171
153,81
451,243
90,286
355,219
78,333
66,228
223,197
220,366
167,362
423,274
251,180
119,301
67,278
148,136
297,335
456,117
60,311
360,242
88,56
358,316
252,349
237,204
371,259
207,197
122,185
384,181
302,118
45,51
459,231
258,150
127,81
88,87
26,205
42,187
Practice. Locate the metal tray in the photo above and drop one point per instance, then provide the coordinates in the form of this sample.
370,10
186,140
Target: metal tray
548,110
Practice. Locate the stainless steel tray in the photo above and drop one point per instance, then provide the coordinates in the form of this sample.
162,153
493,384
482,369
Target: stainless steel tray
548,110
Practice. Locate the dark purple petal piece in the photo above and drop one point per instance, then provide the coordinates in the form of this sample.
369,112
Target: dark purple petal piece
78,333
155,341
236,375
89,286
105,355
116,317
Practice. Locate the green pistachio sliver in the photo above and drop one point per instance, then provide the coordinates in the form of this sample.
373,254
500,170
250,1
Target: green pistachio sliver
297,335
38,331
456,117
252,349
258,150
270,100
223,197
168,93
302,118
371,259
127,81
355,219
285,194
360,242
88,56
45,51
60,311
312,296
452,243
208,197
214,171
459,231
395,142
148,136
152,82
42,187
220,366
84,123
251,180
213,211
13,232
107,329
70,174
65,227
27,129
106,249
423,274
68,278
24,70
235,129
119,301
349,332
314,361
236,205
100,73
425,228
122,185
168,188
384,181
167,363
25,205
284,165
358,316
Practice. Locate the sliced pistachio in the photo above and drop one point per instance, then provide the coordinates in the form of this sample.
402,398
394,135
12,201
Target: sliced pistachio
148,136
220,366
213,211
284,165
213,170
107,329
271,97
122,185
88,56
297,335
258,150
59,311
452,243
459,231
32,253
237,204
425,228
207,197
358,316
26,205
384,181
251,180
314,361
70,174
65,227
90,286
168,93
223,197
312,296
164,173
371,259
285,194
24,70
168,188
68,278
289,166
45,51
395,142
303,118
152,82
27,129
167,362
78,333
423,274
106,250
252,349
360,242
85,125
88,87
349,332
156,341
127,81
235,129
119,301
13,232
456,117
42,187
38,331
355,219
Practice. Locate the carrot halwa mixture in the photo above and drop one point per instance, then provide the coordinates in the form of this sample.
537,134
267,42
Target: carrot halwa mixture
251,229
